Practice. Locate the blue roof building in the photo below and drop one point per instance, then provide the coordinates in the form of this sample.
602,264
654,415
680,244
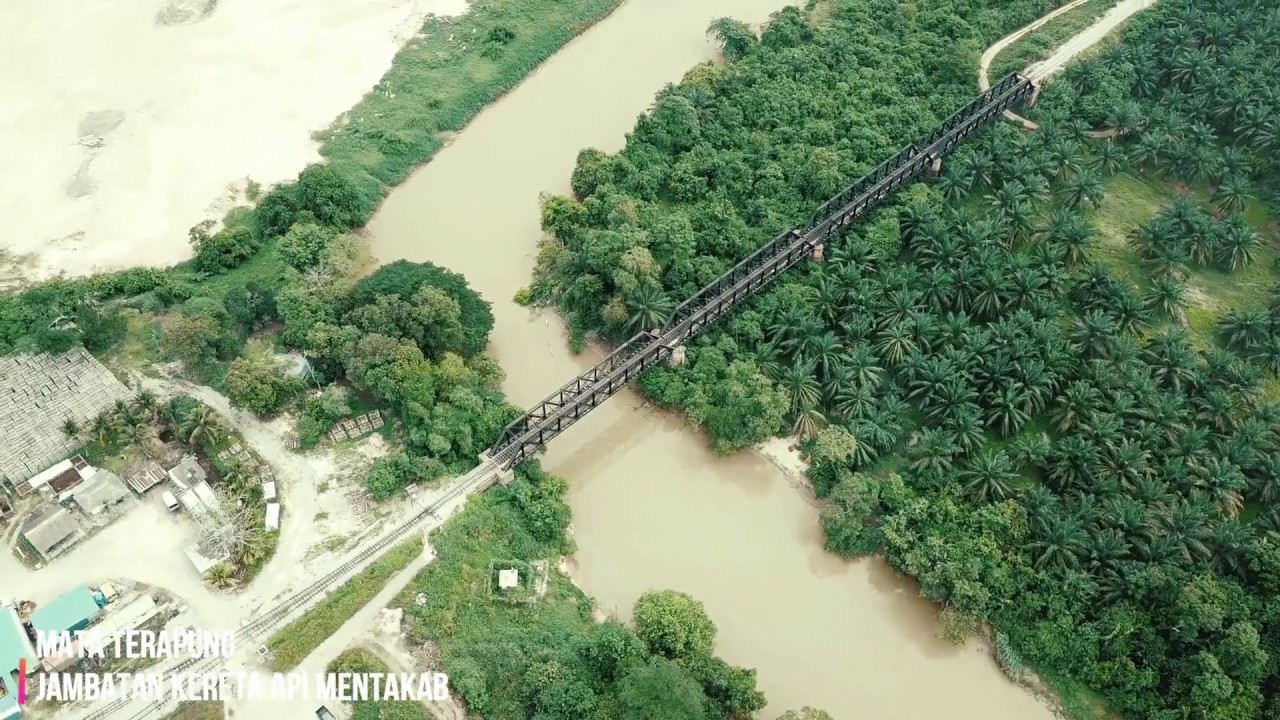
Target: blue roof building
14,647
70,611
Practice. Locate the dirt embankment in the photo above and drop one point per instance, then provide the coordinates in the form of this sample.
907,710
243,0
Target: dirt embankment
128,122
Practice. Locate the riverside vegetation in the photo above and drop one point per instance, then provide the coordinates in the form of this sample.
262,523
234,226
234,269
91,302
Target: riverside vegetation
552,660
288,273
1060,420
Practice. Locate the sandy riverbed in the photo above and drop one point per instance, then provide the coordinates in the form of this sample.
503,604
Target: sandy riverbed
130,121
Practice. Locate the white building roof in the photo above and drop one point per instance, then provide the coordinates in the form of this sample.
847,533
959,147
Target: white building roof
128,616
199,561
269,491
41,479
187,473
205,493
200,499
508,578
273,516
49,527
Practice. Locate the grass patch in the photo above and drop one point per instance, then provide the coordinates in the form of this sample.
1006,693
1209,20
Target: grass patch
1040,43
198,710
1129,202
266,267
459,616
1132,200
1075,701
293,643
445,76
359,660
141,345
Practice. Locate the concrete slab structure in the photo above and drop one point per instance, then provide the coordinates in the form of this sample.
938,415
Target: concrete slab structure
38,394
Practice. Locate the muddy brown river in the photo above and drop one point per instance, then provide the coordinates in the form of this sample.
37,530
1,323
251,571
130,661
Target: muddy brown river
653,508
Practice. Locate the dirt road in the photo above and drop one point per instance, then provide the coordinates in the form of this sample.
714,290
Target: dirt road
1085,39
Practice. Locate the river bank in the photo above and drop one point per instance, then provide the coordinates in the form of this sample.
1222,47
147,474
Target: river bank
653,507
115,165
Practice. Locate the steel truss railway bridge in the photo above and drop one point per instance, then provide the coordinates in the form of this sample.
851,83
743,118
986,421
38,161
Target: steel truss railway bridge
532,431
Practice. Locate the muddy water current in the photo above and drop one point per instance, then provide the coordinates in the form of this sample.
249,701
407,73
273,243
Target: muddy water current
653,508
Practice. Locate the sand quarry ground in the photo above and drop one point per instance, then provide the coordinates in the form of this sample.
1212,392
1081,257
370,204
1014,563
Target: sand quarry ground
128,121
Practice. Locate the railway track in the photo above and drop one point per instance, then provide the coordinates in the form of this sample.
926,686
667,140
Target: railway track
478,479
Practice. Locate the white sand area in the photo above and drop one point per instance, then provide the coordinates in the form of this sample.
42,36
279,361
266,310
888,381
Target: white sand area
128,121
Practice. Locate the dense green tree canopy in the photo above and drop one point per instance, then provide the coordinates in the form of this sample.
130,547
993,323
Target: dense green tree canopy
1065,451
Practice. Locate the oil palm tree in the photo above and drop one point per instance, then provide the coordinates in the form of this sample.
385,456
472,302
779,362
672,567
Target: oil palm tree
1059,545
103,428
1085,188
1238,247
72,430
807,423
201,426
1168,298
1231,194
221,576
147,405
648,308
800,386
988,477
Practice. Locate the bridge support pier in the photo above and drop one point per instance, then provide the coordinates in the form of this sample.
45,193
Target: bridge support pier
677,357
504,476
818,252
1035,93
934,168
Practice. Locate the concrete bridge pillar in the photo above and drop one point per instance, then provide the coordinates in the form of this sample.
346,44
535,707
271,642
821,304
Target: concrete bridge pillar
818,252
677,357
504,476
1035,93
934,168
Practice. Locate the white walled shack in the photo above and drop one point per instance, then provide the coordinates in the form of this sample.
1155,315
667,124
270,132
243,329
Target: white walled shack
199,561
130,616
187,473
38,394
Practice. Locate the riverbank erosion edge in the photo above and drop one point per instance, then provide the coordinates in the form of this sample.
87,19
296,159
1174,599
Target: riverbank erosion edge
441,79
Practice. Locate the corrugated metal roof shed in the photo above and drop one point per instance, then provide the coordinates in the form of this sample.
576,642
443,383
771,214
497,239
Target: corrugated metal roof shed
100,491
72,610
49,527
14,644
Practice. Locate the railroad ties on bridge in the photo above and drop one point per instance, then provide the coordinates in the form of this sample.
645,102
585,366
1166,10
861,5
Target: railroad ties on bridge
532,431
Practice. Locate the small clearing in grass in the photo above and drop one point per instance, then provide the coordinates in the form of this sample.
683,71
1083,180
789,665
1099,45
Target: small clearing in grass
1132,200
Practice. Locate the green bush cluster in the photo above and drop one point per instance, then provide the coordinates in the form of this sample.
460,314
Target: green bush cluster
1040,443
550,660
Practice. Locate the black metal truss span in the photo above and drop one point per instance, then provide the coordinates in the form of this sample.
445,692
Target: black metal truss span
532,431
